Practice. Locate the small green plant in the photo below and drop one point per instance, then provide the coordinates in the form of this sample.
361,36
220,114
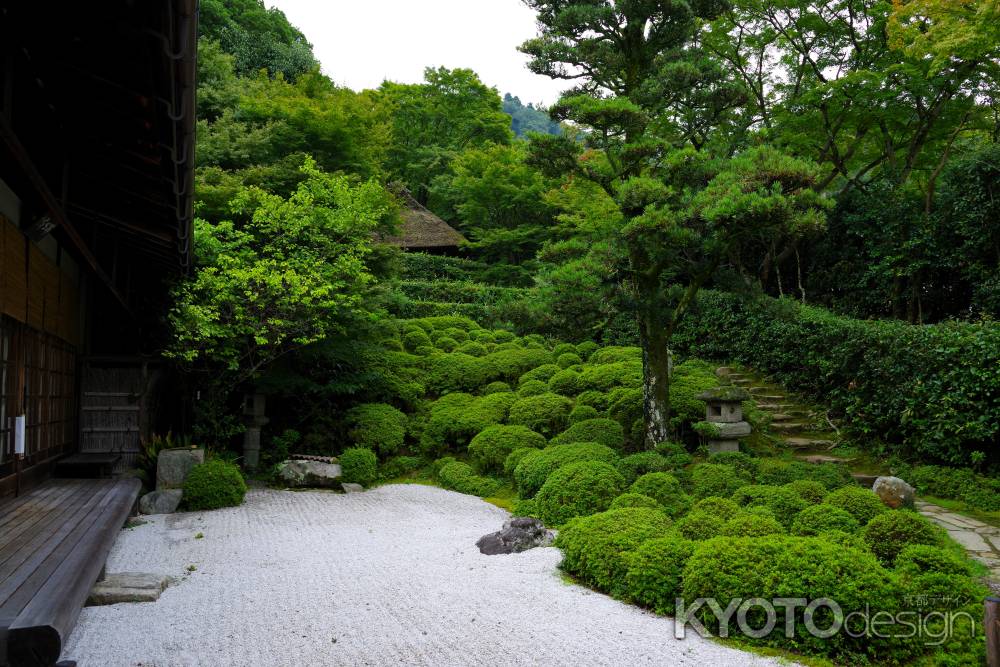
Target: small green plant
359,465
199,536
212,485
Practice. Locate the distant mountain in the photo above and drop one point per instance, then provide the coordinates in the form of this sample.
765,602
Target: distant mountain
528,118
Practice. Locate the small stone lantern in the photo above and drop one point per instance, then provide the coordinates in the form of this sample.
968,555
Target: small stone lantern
253,414
725,413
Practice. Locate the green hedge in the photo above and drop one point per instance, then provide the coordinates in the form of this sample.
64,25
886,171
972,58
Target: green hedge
421,266
931,391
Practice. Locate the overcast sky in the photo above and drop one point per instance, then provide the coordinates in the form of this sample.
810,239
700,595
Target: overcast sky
362,42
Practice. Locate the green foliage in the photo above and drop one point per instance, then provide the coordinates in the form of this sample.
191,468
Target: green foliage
456,419
582,413
809,490
819,519
977,491
491,447
532,388
656,572
595,547
578,489
830,475
634,500
567,359
535,467
212,485
604,431
528,119
746,466
715,479
665,489
926,390
495,387
461,477
378,427
890,532
917,559
566,382
359,466
546,413
779,566
860,503
399,466
514,458
698,526
724,508
747,524
636,465
542,373
782,501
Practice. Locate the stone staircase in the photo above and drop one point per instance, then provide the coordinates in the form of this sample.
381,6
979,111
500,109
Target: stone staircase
794,424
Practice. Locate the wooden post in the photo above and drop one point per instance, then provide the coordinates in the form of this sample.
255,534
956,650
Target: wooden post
991,626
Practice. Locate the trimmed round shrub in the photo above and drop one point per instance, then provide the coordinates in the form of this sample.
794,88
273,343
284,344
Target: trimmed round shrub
563,348
890,532
455,372
494,444
440,463
512,364
818,519
461,477
654,578
595,399
546,413
780,566
455,419
860,503
377,426
614,354
358,466
543,373
714,479
568,359
566,383
446,344
496,388
525,507
675,454
582,413
510,463
587,348
724,508
215,484
531,473
746,465
595,547
472,348
636,465
783,503
604,431
809,490
416,339
748,524
459,335
830,475
532,388
634,500
851,540
698,526
917,559
665,489
609,376
502,336
578,489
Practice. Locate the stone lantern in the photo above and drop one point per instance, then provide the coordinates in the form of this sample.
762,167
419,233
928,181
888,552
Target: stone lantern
253,414
724,412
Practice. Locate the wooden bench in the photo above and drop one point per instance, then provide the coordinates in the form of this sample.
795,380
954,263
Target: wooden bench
54,542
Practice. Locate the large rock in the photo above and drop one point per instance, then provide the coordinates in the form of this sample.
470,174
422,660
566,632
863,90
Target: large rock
517,535
160,502
894,492
173,466
310,474
127,587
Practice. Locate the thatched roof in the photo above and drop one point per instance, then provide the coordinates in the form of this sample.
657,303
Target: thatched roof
419,228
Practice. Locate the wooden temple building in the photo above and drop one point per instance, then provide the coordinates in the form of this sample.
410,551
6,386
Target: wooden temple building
97,118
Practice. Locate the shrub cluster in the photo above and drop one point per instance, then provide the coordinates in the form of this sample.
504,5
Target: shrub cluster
578,489
214,484
491,447
377,426
664,489
359,465
607,432
536,466
461,477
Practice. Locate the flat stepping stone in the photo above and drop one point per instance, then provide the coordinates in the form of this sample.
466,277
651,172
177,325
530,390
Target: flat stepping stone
867,481
820,458
970,540
787,407
127,587
800,443
790,426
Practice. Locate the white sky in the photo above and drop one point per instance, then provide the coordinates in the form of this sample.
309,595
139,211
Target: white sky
360,43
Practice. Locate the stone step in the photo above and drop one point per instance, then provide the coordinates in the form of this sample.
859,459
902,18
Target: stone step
781,417
790,426
767,397
790,408
822,458
741,382
798,442
867,481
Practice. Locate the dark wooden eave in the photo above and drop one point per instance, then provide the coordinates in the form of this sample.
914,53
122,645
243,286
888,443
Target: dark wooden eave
98,118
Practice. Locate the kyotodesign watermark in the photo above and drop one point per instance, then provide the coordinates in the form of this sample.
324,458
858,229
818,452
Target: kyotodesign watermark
823,618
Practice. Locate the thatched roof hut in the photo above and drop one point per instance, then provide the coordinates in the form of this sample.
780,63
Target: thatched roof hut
421,230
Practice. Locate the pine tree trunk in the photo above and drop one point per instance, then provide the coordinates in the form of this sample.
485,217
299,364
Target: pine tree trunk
656,371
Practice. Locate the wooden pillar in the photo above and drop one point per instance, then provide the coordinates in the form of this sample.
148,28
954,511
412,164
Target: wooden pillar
991,626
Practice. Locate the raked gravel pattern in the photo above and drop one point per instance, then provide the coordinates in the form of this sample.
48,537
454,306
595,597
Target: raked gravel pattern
391,576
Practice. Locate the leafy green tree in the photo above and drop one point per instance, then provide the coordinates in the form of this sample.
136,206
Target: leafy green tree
530,118
279,275
433,121
639,76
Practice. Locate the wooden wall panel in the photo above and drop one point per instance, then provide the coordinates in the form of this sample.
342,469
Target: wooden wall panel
15,280
37,270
